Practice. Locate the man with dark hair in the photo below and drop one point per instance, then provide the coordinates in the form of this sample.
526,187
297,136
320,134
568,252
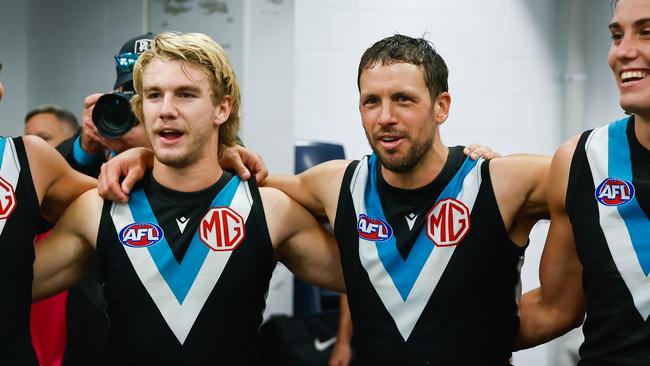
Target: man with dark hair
423,232
51,123
596,260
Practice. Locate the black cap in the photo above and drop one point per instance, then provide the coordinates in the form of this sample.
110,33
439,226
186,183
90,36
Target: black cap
135,45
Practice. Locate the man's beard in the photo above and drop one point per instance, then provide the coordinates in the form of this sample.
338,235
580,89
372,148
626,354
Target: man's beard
409,161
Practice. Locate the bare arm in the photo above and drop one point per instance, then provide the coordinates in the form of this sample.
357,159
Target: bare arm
301,242
57,184
342,352
558,305
520,189
316,188
62,256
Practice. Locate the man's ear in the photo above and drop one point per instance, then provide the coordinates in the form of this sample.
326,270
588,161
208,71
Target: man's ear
441,107
222,110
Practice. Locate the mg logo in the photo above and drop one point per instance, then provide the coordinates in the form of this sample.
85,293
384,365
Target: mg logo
448,222
7,199
222,229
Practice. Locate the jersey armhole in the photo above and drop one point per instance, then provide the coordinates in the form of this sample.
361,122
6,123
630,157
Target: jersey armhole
578,164
345,192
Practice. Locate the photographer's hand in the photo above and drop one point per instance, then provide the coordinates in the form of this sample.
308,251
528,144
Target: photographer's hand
90,141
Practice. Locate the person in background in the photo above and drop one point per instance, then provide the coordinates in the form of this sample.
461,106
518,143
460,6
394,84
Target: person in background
51,123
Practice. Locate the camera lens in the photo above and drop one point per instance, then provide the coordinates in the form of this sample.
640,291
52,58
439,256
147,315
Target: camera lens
112,115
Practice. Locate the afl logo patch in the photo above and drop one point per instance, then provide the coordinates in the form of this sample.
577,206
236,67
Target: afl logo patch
139,235
448,222
373,228
614,192
7,199
222,229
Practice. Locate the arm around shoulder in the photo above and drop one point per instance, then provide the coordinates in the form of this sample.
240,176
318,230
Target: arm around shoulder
316,188
558,305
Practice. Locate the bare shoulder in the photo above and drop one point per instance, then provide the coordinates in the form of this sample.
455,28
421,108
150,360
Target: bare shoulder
519,173
564,154
46,164
88,205
273,198
283,214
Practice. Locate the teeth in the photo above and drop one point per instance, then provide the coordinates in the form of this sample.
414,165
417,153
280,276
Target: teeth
629,75
388,139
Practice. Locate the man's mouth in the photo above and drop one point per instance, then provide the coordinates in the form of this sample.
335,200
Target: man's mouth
169,134
628,76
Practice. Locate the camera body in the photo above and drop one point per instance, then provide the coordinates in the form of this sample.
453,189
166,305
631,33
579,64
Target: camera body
112,114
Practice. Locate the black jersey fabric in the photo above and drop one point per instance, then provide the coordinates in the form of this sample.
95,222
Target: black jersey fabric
225,331
470,318
616,333
17,240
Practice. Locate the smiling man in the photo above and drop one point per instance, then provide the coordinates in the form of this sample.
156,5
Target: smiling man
430,241
597,253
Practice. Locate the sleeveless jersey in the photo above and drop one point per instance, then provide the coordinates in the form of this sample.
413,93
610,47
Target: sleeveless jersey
19,211
608,203
186,290
449,299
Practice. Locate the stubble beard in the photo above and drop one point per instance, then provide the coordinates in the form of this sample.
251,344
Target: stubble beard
406,163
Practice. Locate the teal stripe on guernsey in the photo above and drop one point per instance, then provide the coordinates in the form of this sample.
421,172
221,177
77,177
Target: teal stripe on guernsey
404,272
620,167
3,143
179,276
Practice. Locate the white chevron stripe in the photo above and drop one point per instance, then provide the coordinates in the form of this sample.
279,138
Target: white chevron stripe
616,234
180,317
10,170
406,313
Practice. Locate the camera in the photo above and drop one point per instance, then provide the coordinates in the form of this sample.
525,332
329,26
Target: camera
112,115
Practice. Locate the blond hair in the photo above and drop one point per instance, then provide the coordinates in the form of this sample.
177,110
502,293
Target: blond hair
202,51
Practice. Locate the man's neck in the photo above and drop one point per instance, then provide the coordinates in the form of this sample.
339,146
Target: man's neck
424,173
189,179
642,130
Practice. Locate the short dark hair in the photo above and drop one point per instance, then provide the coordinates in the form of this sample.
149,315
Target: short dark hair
417,51
61,114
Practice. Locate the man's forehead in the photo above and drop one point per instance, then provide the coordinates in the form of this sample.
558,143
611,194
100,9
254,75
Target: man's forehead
631,12
185,73
401,74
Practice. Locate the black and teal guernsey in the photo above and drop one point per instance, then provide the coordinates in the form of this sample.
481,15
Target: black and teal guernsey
432,275
186,274
19,212
608,203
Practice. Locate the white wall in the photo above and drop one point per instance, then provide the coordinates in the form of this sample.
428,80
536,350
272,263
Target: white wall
13,46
